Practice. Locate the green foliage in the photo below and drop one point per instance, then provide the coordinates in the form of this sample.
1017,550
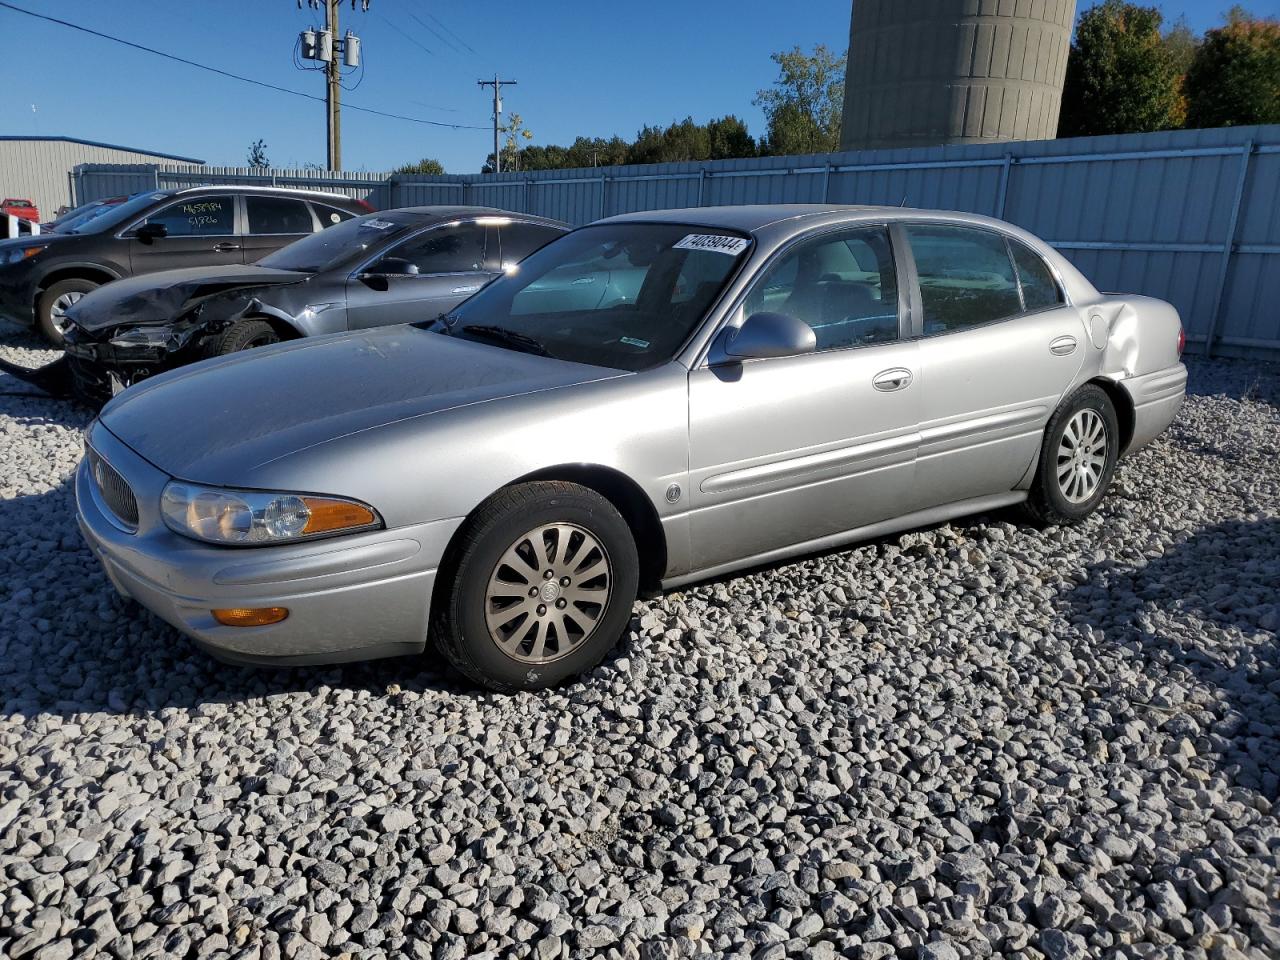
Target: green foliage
258,155
804,105
685,139
1121,75
427,166
1181,42
1235,76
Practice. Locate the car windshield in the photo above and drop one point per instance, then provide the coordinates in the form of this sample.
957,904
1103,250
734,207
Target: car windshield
344,241
114,215
621,295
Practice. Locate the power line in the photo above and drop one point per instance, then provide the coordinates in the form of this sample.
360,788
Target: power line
404,33
446,29
232,76
443,39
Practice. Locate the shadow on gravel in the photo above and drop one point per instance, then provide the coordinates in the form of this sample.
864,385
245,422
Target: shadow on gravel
69,644
1209,605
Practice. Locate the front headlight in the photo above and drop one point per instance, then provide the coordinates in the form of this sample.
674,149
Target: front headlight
142,337
254,518
19,254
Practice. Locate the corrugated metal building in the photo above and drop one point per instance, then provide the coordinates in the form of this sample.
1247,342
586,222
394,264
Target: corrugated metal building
39,168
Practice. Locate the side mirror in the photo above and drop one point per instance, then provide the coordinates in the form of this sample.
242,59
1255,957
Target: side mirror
394,267
765,335
151,231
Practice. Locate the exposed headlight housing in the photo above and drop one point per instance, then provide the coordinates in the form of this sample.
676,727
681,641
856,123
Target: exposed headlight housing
246,518
142,337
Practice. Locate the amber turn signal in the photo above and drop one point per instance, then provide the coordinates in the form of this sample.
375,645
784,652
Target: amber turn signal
329,515
249,616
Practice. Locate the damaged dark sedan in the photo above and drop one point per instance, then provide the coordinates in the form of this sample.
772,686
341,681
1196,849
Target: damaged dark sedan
390,267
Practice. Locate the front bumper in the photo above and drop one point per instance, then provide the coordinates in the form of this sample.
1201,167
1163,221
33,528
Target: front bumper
349,598
1156,399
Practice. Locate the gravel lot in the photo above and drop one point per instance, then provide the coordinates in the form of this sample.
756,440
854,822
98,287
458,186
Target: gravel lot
980,739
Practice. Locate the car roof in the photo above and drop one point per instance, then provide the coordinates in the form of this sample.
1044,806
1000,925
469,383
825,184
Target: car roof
301,192
463,213
753,218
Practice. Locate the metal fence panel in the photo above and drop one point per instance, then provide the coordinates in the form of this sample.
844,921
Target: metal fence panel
1190,216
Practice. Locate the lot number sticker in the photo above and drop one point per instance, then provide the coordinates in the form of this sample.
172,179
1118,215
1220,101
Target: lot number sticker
714,242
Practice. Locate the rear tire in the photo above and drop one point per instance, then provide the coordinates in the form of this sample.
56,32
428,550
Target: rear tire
245,335
502,621
54,301
1077,459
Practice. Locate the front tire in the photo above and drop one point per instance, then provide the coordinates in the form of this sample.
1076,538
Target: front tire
245,335
53,303
539,588
1077,460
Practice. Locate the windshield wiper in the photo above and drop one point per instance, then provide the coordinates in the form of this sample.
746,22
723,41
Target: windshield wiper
511,338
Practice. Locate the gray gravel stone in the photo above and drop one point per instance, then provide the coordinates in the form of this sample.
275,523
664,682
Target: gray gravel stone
980,739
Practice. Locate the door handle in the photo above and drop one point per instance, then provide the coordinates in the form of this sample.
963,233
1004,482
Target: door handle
1062,346
225,247
889,380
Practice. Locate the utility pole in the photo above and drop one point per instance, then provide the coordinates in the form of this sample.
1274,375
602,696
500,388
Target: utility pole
334,52
496,83
333,98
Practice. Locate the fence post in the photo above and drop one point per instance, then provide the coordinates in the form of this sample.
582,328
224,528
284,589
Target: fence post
155,175
702,183
1228,249
826,183
604,181
1003,194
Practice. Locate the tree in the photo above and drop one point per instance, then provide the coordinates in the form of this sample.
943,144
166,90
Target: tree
258,155
1181,42
1121,77
427,166
1235,77
803,107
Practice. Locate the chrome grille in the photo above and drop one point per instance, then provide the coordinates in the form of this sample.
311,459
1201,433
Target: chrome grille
113,489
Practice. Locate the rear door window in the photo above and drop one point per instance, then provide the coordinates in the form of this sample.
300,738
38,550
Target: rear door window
328,215
213,216
277,215
966,277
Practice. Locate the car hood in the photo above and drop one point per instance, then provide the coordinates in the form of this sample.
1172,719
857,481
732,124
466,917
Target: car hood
219,420
157,298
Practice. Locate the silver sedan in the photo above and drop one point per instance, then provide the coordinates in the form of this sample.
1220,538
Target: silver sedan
651,400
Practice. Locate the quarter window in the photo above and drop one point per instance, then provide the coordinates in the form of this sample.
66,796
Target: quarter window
448,249
276,215
966,277
1039,288
198,217
328,216
844,286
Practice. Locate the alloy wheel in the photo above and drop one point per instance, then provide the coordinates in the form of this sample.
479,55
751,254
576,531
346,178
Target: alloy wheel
1082,455
548,592
58,309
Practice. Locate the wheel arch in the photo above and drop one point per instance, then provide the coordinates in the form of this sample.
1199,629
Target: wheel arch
94,274
1123,404
628,499
279,320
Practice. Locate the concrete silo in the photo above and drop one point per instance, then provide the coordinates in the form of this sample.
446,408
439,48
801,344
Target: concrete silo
925,72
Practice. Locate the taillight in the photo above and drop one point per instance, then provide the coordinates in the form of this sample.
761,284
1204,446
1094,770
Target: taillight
367,205
1182,340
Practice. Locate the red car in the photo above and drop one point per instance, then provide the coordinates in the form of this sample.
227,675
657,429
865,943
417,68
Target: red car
21,208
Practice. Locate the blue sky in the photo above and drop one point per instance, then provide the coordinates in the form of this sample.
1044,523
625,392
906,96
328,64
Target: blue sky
583,68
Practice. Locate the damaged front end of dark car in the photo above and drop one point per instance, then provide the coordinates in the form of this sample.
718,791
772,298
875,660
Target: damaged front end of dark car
119,336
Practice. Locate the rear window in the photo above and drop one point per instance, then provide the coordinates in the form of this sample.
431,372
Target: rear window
346,241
